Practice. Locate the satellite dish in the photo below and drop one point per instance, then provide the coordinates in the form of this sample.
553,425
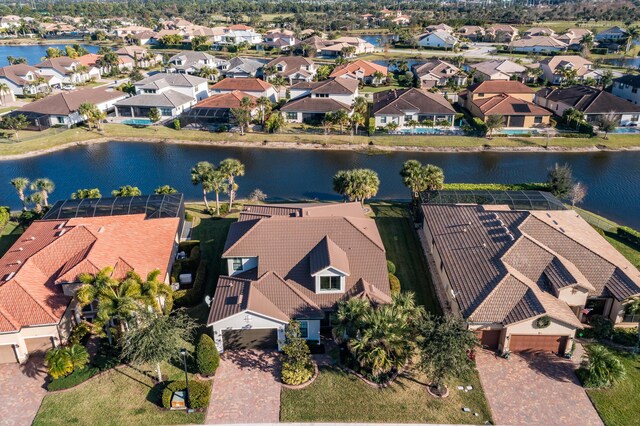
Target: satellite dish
207,300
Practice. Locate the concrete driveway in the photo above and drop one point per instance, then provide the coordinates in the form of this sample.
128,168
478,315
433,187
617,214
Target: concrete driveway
21,391
534,389
246,388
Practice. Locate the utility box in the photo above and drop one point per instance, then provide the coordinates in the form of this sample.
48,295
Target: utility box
177,400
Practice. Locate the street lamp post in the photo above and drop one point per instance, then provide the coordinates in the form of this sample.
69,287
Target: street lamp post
183,351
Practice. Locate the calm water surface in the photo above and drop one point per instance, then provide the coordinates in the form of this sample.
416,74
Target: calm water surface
34,52
613,178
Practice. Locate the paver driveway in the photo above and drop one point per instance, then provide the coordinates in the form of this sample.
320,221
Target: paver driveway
246,388
21,391
534,389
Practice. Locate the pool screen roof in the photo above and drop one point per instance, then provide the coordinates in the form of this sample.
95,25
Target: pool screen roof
516,200
153,206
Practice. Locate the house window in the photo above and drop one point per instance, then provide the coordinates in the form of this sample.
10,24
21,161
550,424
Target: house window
383,120
60,120
537,120
304,329
330,283
165,111
292,116
237,264
408,117
634,90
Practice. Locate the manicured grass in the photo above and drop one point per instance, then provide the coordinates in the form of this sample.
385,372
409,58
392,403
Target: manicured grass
372,89
8,236
403,249
122,396
618,405
628,250
339,397
37,141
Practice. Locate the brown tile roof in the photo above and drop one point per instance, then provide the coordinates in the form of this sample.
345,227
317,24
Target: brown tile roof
589,100
359,67
398,102
292,64
290,248
314,105
508,105
67,102
242,84
51,252
334,86
16,73
436,68
62,64
498,86
535,41
506,266
257,211
577,62
225,100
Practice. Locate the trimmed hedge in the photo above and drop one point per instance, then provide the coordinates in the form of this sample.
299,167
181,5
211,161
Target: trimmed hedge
198,393
391,268
207,356
629,234
394,283
194,295
496,187
625,336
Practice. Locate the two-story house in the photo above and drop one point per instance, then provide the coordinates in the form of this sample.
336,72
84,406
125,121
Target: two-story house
627,87
294,69
171,93
437,73
294,263
311,101
510,99
24,79
65,69
191,62
242,67
555,68
365,71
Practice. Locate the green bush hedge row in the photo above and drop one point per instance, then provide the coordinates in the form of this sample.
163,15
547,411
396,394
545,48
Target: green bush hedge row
194,295
496,187
198,393
629,234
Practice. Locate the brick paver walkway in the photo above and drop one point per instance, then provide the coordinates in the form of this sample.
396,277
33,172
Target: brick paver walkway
534,389
246,388
21,391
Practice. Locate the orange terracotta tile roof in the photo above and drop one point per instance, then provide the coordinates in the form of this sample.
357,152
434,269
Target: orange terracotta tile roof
359,68
508,105
499,86
225,100
51,252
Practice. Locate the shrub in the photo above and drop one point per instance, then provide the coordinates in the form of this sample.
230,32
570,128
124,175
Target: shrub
207,356
4,216
625,336
188,217
198,393
194,295
391,267
176,123
296,365
496,186
394,283
602,326
601,368
629,234
79,332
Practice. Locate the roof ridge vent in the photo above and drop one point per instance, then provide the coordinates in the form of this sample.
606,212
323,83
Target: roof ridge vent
31,238
101,230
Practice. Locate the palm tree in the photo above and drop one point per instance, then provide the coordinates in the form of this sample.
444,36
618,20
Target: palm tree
36,199
20,184
86,193
201,174
90,112
356,184
346,320
413,177
242,115
45,186
78,356
493,123
378,77
434,177
360,105
4,90
230,169
413,124
356,120
207,72
165,189
632,34
58,363
602,366
573,115
218,184
264,107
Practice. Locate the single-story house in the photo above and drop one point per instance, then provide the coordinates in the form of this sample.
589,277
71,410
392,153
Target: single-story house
406,105
538,44
439,39
294,263
216,109
615,33
190,62
61,109
573,36
365,71
170,103
593,103
498,69
471,32
39,274
523,277
539,31
242,68
501,33
252,86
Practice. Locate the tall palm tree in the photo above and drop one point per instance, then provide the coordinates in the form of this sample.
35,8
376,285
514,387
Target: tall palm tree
20,184
434,177
632,34
264,107
218,184
36,199
230,169
45,186
360,105
413,177
201,174
493,123
4,90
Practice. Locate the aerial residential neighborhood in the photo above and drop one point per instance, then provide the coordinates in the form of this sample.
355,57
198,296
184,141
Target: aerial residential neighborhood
320,212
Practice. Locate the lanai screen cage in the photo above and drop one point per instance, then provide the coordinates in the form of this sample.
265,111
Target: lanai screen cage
153,206
516,200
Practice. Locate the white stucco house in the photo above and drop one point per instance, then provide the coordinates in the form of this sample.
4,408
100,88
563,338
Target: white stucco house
294,262
438,39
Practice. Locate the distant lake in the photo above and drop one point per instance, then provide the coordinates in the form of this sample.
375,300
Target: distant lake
410,63
34,52
612,178
379,40
626,62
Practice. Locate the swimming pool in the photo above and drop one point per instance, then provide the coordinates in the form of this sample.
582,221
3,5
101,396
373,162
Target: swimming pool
632,130
515,132
137,122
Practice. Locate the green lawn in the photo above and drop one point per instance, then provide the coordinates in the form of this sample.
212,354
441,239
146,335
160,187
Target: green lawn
32,141
628,250
8,236
403,249
618,405
122,396
336,396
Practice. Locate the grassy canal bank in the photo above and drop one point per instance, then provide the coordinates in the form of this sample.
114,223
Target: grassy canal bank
33,143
